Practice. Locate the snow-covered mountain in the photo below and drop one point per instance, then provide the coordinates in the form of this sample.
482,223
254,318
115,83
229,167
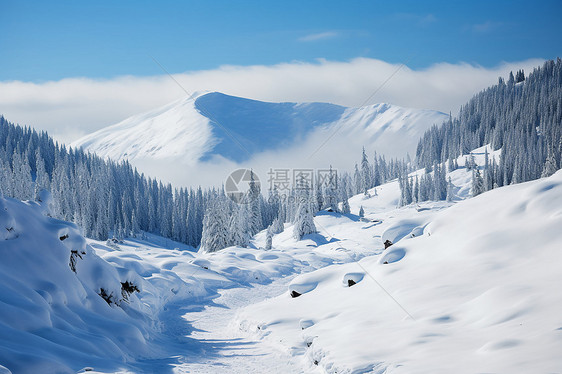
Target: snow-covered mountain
214,124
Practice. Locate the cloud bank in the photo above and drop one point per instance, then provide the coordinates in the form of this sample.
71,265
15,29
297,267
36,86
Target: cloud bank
73,107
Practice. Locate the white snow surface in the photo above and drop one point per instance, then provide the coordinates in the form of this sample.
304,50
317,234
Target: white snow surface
467,287
173,130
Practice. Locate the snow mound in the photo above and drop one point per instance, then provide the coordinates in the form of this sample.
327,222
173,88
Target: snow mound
61,304
351,279
394,254
297,289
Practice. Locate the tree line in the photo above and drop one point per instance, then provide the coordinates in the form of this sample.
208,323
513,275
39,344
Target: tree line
521,117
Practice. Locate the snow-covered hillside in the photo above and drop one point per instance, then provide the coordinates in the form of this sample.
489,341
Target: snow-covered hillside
61,304
213,124
470,290
467,287
70,303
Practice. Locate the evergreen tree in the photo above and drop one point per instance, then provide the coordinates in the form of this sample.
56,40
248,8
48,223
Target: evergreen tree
304,222
330,193
41,177
215,227
477,182
345,205
550,166
319,197
357,181
134,225
416,191
520,76
239,227
365,174
268,240
21,177
253,198
449,190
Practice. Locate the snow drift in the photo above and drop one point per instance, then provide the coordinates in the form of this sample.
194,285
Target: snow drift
61,304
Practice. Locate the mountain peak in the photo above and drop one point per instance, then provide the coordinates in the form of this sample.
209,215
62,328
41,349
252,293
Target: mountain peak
209,124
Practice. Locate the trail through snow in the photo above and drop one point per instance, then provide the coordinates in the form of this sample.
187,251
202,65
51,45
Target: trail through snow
235,351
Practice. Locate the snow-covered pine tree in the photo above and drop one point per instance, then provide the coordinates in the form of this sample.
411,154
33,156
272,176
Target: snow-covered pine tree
319,198
134,225
277,226
357,184
41,177
345,209
268,239
330,191
550,166
215,227
477,182
449,190
439,183
450,165
361,211
304,222
416,190
239,230
365,173
21,177
487,172
253,199
376,178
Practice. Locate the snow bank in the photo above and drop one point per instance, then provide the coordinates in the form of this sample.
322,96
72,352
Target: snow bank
61,304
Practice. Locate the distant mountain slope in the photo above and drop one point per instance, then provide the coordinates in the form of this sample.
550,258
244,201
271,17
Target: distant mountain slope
193,129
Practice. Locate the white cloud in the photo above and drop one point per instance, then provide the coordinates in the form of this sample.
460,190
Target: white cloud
319,36
73,107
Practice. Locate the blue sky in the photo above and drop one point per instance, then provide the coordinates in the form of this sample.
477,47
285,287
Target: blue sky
43,41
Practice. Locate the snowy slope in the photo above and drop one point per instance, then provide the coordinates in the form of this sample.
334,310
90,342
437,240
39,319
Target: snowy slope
193,129
52,317
471,289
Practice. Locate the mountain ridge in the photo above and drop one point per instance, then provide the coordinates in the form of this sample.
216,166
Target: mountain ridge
212,124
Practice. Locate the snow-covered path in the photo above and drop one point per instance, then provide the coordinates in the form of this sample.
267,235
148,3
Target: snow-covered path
233,350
